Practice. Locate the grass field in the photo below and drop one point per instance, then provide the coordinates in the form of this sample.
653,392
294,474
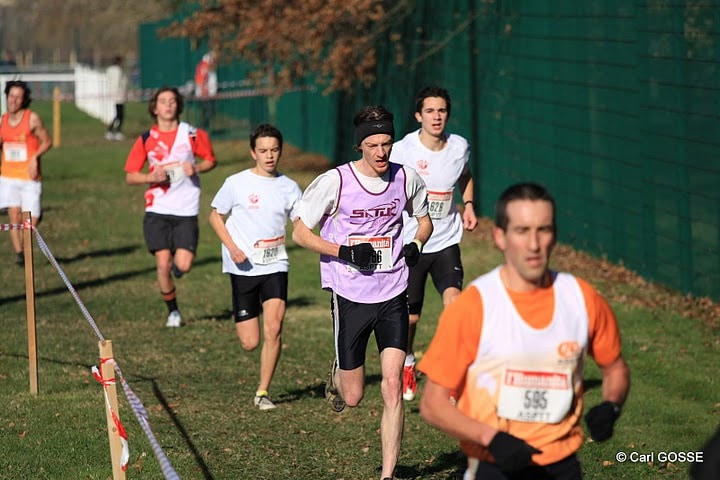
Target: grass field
197,384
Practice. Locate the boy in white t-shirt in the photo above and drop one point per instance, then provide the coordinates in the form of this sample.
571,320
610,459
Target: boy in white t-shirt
249,215
441,159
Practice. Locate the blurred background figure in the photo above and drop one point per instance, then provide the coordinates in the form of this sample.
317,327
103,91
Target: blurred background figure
117,81
8,59
206,86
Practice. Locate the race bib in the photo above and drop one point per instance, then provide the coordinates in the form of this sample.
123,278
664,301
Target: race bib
542,396
15,151
382,256
269,251
439,204
175,172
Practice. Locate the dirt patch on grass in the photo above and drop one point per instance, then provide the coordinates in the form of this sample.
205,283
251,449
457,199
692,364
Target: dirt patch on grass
305,161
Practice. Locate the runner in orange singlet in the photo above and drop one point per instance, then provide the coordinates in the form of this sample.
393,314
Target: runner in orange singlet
513,345
24,140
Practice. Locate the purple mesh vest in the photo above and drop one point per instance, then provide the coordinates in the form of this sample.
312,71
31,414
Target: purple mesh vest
362,216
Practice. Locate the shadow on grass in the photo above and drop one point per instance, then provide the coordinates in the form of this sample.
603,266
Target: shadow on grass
447,462
224,315
97,282
317,390
99,253
181,429
80,286
227,314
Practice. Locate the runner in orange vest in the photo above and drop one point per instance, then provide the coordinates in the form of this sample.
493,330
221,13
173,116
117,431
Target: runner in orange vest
513,344
24,140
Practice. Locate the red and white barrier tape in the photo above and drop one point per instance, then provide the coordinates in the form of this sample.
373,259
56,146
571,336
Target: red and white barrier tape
13,226
125,453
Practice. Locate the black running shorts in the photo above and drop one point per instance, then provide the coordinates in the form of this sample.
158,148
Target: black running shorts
169,232
445,269
249,293
354,322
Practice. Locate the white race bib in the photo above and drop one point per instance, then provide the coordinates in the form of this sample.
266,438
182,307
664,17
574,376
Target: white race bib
175,172
535,395
439,204
269,251
15,151
382,256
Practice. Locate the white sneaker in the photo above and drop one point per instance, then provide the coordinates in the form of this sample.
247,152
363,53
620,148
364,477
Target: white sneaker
174,320
119,136
262,402
109,136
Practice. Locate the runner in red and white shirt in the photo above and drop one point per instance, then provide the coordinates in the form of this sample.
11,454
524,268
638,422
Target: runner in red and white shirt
172,201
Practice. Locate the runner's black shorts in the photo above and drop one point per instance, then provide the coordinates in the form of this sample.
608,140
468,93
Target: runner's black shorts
170,232
249,293
445,269
353,322
566,469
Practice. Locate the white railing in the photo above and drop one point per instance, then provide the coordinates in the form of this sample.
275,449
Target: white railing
92,93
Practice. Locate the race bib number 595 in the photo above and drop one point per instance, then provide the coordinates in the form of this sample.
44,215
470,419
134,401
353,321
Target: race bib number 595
543,396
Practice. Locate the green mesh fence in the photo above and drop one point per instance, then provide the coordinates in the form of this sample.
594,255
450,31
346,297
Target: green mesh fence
172,61
613,105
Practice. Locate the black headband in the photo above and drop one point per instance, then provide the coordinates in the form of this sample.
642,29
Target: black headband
373,127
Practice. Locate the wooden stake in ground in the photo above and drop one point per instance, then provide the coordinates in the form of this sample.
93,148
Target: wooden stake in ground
108,375
30,302
56,117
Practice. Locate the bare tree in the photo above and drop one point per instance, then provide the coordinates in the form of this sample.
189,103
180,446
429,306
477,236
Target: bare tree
331,41
101,28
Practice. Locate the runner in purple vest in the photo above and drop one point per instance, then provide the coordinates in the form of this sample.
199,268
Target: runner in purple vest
358,207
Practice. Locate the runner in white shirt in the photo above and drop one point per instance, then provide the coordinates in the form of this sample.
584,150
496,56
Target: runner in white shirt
441,160
249,215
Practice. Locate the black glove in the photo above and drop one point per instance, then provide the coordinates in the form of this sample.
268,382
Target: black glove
601,420
411,252
360,254
511,453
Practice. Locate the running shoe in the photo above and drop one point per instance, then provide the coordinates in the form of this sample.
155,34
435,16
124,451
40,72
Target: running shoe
174,320
409,383
263,402
332,394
